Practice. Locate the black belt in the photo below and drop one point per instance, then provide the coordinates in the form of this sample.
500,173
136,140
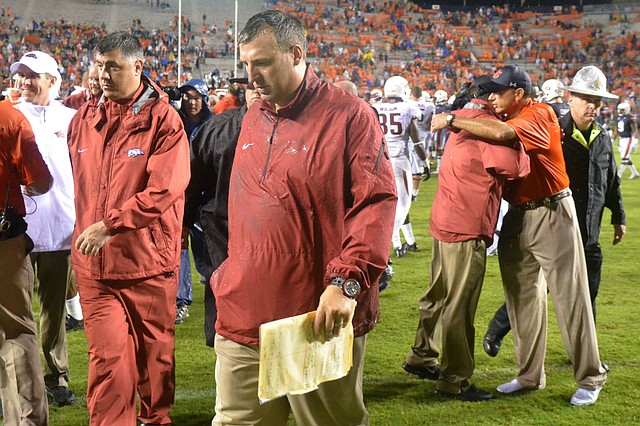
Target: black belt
548,201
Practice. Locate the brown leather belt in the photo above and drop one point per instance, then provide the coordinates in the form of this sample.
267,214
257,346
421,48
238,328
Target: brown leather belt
548,201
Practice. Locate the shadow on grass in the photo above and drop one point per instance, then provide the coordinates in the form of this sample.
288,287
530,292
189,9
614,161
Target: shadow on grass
399,387
195,419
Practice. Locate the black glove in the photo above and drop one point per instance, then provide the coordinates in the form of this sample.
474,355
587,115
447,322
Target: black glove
426,174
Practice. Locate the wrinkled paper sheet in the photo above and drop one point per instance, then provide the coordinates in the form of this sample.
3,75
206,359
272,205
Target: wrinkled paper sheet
293,361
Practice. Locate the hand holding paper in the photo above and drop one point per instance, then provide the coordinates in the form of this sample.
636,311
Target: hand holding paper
293,360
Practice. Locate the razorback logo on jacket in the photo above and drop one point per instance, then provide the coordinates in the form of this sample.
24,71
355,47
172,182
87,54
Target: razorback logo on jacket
134,152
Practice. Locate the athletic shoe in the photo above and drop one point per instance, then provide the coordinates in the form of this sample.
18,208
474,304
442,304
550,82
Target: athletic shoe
510,387
399,251
634,176
72,324
473,394
60,395
585,396
430,373
385,279
492,343
410,247
182,312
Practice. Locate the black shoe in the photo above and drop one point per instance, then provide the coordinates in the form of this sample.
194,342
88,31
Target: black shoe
385,279
60,395
473,394
399,252
492,343
72,324
410,247
182,312
430,373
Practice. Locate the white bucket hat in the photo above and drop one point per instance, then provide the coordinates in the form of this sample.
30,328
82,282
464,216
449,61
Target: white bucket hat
590,81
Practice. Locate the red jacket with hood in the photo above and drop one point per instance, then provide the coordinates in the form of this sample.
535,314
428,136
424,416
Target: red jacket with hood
130,169
312,197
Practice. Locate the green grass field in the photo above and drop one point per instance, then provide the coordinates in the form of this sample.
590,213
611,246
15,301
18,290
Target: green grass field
396,398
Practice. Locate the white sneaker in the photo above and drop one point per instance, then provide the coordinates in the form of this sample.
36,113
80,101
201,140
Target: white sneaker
585,396
634,176
510,387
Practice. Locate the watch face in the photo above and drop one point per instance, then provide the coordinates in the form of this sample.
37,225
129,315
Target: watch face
351,288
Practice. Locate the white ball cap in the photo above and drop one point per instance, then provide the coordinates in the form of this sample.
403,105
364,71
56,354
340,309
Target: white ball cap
590,81
38,62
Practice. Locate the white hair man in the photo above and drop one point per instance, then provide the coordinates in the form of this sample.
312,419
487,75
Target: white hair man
51,223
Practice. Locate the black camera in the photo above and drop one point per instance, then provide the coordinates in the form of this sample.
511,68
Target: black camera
11,223
173,92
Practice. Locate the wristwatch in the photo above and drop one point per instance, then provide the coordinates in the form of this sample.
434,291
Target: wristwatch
449,119
350,287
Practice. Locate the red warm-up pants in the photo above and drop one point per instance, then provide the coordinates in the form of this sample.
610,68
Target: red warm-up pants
130,332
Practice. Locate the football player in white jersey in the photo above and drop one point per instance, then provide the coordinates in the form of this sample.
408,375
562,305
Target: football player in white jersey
419,167
440,137
398,119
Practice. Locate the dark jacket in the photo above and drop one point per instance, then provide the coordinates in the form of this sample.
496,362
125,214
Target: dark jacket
312,197
212,151
594,181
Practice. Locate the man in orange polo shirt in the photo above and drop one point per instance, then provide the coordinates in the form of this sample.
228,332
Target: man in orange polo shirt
540,243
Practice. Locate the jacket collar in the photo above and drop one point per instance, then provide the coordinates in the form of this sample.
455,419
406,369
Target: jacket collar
302,97
145,93
570,130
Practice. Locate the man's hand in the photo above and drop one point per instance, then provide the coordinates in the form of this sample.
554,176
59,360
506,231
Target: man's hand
92,239
439,121
333,313
618,233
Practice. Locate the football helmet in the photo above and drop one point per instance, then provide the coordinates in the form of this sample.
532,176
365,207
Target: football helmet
624,108
397,87
552,89
376,95
440,97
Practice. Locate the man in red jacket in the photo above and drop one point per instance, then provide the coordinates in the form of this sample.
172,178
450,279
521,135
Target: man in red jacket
24,398
311,206
130,159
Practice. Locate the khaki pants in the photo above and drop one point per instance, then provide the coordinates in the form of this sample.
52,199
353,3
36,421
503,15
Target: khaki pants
457,274
540,248
53,270
24,400
131,332
338,402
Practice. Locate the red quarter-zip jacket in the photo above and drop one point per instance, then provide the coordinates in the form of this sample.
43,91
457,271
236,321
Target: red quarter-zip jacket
312,197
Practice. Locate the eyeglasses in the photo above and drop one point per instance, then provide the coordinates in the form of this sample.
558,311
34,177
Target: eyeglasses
187,98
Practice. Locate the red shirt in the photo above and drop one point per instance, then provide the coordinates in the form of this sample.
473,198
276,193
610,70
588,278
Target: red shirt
76,100
538,130
20,160
472,174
